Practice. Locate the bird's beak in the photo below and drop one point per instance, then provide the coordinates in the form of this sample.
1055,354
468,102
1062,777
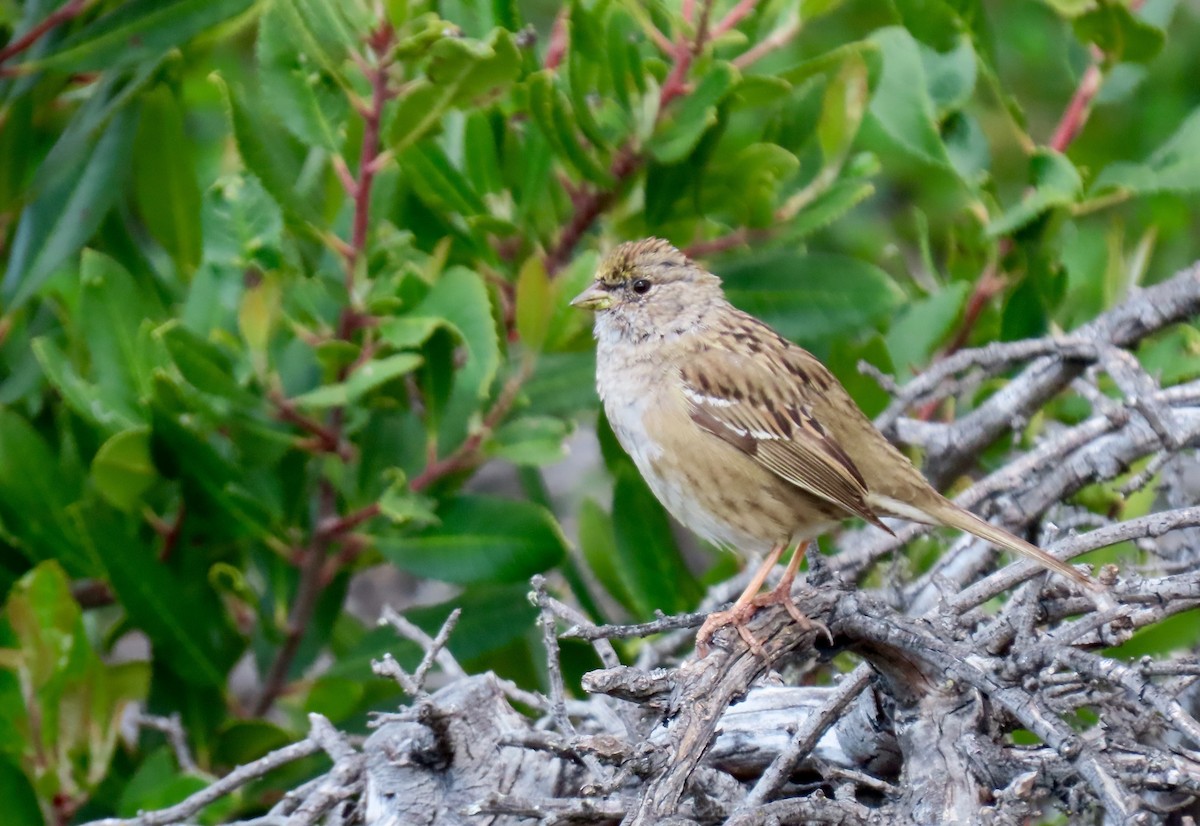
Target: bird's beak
593,298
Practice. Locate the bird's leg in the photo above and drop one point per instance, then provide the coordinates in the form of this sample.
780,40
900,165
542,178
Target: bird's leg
742,610
782,593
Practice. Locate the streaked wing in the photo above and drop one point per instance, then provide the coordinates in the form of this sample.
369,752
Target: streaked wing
763,413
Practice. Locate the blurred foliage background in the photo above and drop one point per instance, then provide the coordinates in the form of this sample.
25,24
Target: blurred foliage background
280,276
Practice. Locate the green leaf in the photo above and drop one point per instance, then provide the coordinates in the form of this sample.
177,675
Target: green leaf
476,69
438,182
967,145
63,217
1024,314
136,31
36,486
258,317
923,324
1173,167
112,93
950,76
243,227
598,542
1056,183
749,185
826,62
183,619
82,397
624,61
337,698
842,109
410,332
157,784
756,91
810,298
828,207
112,309
373,374
843,361
1176,633
530,440
269,154
122,470
1119,33
567,327
20,799
461,72
563,384
551,110
481,539
1173,356
17,140
534,297
581,75
901,105
243,740
308,98
482,160
1091,257
680,130
73,700
461,298
168,196
654,571
323,31
182,451
531,177
418,112
204,365
403,507
940,23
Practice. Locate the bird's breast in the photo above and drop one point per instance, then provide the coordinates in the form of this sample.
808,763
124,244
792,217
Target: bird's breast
709,486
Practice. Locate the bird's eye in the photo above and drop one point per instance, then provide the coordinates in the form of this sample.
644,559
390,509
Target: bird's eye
641,286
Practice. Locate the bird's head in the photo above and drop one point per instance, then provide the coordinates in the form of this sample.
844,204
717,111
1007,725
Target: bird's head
648,288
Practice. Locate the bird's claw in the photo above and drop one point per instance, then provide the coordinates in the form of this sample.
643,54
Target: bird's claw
778,596
740,613
737,615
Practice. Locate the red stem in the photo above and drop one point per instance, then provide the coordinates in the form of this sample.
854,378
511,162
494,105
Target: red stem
377,76
65,14
331,527
742,235
1078,109
733,17
304,605
342,525
325,438
590,206
558,39
466,455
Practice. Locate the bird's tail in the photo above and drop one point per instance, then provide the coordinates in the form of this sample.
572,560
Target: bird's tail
955,517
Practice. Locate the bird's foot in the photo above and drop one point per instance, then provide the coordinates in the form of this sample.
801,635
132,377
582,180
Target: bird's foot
740,613
781,594
737,615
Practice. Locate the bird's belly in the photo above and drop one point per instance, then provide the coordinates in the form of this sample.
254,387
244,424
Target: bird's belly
729,523
709,486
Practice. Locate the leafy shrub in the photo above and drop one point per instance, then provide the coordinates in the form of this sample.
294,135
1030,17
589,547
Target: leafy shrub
280,276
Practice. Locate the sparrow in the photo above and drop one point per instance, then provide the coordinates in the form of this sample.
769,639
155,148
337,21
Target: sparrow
746,438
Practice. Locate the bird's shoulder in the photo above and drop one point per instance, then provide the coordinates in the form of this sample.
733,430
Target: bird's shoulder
746,359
